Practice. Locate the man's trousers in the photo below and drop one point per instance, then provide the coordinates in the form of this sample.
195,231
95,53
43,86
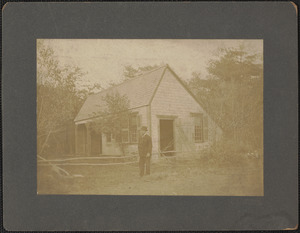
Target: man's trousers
144,161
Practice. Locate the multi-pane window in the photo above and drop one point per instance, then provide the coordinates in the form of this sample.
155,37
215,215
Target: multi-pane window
125,129
125,135
133,125
130,130
198,133
198,128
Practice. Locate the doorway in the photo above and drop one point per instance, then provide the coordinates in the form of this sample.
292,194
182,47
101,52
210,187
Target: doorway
81,139
96,143
166,137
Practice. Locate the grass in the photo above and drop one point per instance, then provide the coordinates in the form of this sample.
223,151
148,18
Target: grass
181,177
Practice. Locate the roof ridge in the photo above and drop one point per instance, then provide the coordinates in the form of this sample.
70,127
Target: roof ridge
149,71
131,79
147,82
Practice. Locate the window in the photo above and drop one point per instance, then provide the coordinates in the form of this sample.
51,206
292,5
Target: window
125,130
198,129
198,133
130,128
125,137
133,125
134,137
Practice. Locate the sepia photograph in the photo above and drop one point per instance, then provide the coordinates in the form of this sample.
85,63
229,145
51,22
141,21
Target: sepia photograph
150,116
163,117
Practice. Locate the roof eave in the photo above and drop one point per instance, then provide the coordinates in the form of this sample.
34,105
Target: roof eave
191,93
93,117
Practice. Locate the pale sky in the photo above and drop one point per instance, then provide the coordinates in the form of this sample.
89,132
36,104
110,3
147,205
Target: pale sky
104,59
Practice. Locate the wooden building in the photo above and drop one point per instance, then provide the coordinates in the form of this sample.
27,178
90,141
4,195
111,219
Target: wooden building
159,100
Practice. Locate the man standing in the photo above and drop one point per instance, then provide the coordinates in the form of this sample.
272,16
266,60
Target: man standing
145,150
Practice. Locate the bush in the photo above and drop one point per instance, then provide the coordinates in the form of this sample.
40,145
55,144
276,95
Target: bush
227,153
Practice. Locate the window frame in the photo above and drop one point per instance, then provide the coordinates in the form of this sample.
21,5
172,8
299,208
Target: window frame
198,128
122,138
130,130
133,128
198,133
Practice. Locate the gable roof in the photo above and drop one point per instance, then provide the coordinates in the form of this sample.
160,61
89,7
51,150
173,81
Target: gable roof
139,90
195,98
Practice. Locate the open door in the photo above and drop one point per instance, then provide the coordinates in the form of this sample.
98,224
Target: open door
96,143
166,137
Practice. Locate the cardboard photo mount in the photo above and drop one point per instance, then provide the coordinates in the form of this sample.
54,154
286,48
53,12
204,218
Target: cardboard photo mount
274,22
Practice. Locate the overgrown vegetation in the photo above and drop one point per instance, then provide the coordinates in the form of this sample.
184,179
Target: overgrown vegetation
131,72
232,93
115,113
113,117
58,96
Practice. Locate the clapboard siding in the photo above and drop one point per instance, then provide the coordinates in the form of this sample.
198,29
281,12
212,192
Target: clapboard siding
172,99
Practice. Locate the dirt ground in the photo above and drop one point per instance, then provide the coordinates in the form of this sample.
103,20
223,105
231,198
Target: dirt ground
190,177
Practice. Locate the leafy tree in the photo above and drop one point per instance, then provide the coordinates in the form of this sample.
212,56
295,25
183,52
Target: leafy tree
113,117
235,64
130,72
58,97
233,94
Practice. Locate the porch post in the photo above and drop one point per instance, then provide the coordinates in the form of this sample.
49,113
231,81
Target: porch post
88,140
76,139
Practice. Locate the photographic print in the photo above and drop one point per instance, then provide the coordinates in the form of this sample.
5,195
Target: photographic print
156,116
150,117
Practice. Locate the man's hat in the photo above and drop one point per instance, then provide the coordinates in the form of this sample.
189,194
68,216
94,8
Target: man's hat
144,128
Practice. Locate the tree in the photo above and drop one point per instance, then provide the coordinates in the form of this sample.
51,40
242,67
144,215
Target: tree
233,95
130,72
113,117
235,64
58,97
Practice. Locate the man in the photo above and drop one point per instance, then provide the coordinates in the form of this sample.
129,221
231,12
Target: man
145,151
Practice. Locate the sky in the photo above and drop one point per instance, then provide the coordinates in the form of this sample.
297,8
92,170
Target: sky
103,60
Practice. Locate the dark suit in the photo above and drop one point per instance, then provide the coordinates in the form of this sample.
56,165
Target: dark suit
145,147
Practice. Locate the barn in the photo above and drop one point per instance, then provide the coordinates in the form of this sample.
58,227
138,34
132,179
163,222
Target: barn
159,100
